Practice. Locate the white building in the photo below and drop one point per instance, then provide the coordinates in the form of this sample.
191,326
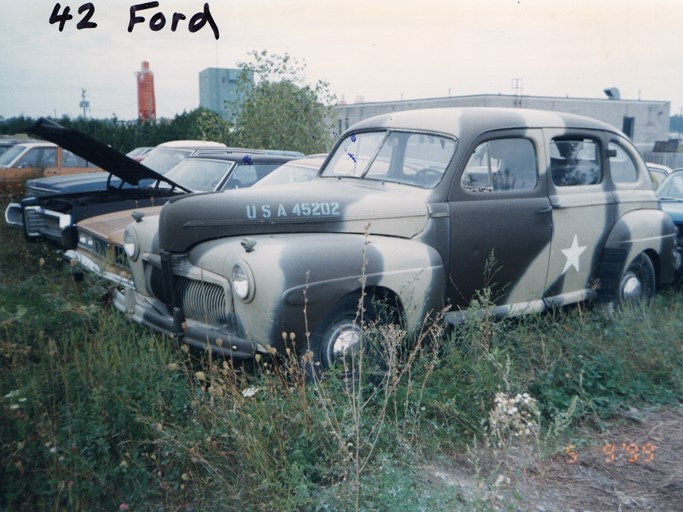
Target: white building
645,122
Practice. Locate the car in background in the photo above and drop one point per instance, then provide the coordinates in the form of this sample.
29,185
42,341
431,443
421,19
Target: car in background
7,141
139,153
294,171
160,159
658,173
670,195
26,160
52,216
231,168
99,246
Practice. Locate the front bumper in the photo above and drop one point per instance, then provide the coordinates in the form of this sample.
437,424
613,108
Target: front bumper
99,269
152,313
14,216
38,222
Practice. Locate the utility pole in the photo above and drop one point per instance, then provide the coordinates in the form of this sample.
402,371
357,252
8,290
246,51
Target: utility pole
84,104
517,87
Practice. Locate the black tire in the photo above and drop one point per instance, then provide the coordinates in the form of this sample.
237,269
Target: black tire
339,335
637,284
340,339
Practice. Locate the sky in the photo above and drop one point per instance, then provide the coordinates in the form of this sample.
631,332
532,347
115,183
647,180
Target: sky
378,50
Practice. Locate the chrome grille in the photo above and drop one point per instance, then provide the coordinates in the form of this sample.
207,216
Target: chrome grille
200,300
38,224
103,250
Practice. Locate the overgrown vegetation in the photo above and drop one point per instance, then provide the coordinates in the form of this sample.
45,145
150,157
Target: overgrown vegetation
279,109
98,414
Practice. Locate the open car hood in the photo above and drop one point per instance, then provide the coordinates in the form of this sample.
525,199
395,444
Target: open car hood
98,153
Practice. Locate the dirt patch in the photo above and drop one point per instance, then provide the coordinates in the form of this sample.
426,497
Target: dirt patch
634,464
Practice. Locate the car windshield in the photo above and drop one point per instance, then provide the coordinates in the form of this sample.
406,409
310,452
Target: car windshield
8,156
672,188
199,175
411,158
163,160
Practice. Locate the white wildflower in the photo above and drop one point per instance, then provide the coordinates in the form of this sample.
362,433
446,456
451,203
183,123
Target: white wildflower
249,392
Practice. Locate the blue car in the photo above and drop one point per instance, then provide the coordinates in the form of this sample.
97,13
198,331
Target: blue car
670,195
52,208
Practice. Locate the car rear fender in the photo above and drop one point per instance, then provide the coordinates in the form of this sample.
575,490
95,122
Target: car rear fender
640,231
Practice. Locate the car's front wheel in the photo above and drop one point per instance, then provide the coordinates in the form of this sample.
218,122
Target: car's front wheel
637,284
341,338
351,332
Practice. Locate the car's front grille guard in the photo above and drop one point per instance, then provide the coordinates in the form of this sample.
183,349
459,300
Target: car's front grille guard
199,294
37,223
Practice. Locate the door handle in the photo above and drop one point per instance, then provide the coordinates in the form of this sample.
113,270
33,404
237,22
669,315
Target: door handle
545,209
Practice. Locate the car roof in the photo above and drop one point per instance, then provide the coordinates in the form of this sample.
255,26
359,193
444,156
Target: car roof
239,155
96,152
465,121
191,144
36,144
313,161
665,168
228,150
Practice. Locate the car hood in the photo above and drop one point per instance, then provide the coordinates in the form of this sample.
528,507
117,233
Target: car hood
111,226
68,183
96,152
322,205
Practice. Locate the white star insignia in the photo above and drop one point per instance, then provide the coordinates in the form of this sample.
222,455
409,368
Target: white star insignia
572,254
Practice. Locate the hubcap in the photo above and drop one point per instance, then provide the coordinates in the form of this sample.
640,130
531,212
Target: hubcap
345,339
631,288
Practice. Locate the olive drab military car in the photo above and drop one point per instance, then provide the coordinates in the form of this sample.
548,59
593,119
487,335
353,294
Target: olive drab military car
418,210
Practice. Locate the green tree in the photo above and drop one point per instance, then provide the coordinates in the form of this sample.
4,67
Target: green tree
280,110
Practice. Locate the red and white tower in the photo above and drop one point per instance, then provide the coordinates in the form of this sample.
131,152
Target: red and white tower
147,109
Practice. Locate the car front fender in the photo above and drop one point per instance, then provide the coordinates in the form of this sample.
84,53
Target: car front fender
299,279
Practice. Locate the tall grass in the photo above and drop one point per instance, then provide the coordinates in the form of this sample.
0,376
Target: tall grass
99,414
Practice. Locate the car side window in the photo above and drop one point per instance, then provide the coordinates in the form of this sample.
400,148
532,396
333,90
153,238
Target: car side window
622,167
501,165
575,161
71,160
39,157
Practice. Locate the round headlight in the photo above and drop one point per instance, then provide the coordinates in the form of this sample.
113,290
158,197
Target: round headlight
130,244
242,281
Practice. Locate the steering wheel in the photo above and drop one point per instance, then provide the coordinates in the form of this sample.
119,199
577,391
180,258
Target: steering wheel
429,176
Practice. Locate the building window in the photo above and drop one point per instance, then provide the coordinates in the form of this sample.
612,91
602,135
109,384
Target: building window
627,126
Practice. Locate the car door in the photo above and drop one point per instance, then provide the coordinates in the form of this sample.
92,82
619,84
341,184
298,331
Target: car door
500,220
583,212
69,163
29,164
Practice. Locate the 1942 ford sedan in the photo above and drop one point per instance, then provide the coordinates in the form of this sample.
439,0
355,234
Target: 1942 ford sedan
412,209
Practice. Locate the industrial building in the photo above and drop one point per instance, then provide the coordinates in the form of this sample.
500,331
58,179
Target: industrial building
645,122
219,90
